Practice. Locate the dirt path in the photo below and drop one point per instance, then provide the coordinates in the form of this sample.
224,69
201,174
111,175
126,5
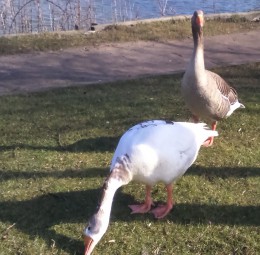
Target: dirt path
38,71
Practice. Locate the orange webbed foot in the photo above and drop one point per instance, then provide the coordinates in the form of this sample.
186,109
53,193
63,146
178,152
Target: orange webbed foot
142,208
161,210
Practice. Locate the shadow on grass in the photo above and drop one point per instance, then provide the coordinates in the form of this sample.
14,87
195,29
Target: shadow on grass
98,144
88,173
208,173
93,144
38,216
223,172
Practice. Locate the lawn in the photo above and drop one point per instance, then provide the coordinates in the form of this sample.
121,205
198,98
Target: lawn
55,150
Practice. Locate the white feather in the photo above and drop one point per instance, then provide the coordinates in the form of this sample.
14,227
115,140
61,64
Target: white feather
159,151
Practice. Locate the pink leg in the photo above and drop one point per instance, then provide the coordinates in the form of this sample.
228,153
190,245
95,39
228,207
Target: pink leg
162,210
209,141
146,206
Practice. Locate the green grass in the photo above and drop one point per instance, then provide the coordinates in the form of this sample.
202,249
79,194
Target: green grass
154,31
55,150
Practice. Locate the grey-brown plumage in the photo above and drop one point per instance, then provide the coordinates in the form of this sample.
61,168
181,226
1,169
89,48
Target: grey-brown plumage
205,93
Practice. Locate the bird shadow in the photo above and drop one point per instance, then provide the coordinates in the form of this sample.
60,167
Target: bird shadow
105,143
195,170
223,172
38,216
68,173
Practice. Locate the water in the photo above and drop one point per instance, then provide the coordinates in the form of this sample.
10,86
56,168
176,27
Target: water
144,9
23,16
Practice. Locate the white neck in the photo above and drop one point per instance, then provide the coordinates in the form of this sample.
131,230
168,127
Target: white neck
196,66
117,177
197,61
108,194
198,57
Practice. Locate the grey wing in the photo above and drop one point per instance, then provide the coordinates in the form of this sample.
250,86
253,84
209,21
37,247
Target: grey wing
226,90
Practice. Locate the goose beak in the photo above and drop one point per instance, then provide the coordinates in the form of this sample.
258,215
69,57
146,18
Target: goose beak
88,241
200,20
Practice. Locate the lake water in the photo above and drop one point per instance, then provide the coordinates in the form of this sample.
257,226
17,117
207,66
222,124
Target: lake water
23,16
109,11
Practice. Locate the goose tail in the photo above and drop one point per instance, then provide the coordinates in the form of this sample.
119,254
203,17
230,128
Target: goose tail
209,131
242,106
233,107
212,133
206,132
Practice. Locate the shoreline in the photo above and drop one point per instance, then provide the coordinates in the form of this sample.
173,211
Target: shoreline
253,16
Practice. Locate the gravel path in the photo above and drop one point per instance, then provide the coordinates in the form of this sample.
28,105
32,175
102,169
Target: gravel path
77,66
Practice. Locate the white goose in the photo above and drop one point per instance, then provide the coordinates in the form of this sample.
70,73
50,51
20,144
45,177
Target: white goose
205,93
150,152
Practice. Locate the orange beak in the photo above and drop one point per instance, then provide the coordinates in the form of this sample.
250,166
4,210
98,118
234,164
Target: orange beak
88,242
200,20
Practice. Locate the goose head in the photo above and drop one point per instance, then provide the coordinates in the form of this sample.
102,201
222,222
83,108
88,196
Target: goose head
96,228
197,21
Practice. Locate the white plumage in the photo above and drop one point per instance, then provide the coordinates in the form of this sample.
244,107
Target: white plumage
159,150
150,152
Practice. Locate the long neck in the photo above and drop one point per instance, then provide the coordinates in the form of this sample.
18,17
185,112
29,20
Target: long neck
117,178
198,51
108,191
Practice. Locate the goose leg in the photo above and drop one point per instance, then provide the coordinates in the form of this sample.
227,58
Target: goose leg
209,141
146,206
162,210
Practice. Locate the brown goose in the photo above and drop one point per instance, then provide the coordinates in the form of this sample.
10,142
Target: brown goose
205,93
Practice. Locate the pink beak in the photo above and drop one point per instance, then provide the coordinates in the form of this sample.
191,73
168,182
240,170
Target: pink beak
88,242
200,20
